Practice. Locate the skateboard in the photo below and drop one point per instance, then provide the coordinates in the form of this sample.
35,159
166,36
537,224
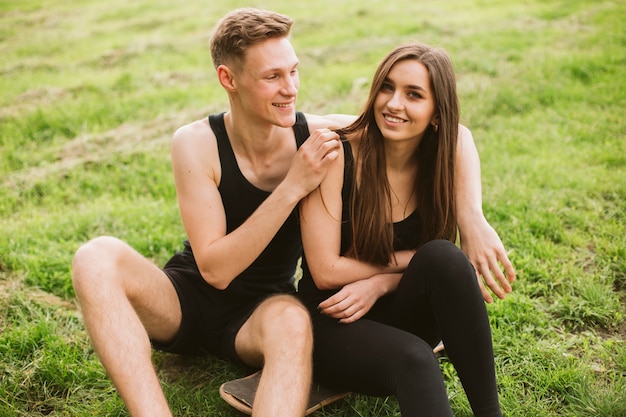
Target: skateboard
239,393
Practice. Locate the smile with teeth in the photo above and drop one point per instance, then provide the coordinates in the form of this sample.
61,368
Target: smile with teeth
283,106
393,119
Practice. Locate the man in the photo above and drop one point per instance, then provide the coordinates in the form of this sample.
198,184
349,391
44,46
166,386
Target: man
239,177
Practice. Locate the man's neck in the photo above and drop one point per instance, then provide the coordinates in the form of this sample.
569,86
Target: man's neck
251,137
263,151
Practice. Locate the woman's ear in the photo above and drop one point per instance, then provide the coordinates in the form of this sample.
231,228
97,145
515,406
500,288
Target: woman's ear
226,78
435,123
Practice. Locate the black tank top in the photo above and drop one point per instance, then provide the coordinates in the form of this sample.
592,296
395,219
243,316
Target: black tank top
405,234
273,271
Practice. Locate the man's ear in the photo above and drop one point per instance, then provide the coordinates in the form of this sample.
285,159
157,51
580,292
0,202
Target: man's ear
226,78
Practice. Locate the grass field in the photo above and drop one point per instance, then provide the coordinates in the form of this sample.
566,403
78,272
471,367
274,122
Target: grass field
91,92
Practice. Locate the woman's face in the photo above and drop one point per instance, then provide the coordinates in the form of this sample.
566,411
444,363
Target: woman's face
405,105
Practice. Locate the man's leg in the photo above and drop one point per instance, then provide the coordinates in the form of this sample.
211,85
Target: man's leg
126,300
278,337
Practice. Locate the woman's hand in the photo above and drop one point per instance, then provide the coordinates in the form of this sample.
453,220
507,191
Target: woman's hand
354,300
485,250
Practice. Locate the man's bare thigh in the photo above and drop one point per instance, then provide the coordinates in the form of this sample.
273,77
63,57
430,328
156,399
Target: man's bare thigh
249,342
153,297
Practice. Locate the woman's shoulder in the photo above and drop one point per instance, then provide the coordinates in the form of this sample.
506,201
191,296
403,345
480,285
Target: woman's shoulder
328,121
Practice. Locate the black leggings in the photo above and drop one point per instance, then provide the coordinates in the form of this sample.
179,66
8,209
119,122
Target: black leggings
389,351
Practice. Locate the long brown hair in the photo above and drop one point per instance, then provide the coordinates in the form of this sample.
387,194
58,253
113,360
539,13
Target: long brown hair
372,231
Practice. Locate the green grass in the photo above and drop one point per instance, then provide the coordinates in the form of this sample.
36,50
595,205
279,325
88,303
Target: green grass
91,92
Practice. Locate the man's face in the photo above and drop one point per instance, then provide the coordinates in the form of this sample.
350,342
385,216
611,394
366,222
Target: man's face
267,82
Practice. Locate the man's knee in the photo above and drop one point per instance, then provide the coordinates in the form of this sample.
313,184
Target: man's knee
95,261
286,317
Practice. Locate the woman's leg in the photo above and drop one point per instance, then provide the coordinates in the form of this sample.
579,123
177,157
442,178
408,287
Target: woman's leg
438,297
372,358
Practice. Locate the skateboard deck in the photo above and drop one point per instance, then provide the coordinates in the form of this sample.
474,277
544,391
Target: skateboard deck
239,393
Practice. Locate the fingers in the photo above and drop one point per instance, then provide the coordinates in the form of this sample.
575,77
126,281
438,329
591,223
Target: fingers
500,282
352,318
342,309
327,143
313,160
331,301
486,294
322,141
496,280
488,278
508,267
349,315
335,306
320,148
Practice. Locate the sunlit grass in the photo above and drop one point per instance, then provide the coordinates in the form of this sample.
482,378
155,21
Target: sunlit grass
90,94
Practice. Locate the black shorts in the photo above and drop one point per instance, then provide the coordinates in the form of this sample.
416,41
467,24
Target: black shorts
211,318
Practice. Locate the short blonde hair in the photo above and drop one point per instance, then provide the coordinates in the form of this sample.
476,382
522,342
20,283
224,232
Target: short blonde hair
243,28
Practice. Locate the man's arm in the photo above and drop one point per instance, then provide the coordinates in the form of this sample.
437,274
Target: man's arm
479,240
220,256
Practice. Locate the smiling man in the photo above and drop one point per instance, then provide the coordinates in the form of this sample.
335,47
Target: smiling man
239,176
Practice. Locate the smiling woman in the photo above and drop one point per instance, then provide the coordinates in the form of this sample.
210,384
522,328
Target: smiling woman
405,106
388,280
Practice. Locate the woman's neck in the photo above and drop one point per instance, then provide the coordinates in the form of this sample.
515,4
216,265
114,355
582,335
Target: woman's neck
400,156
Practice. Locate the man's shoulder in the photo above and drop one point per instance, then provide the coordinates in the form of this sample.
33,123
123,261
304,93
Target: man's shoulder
328,121
196,130
194,140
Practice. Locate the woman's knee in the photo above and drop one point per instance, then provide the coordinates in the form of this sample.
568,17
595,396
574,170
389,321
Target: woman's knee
446,263
442,252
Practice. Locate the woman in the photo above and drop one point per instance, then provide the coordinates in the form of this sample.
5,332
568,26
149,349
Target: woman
381,274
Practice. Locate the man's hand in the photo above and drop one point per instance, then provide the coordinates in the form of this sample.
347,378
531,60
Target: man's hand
485,250
312,160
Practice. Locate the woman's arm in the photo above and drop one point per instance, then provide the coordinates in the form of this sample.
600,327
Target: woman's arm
479,240
321,236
